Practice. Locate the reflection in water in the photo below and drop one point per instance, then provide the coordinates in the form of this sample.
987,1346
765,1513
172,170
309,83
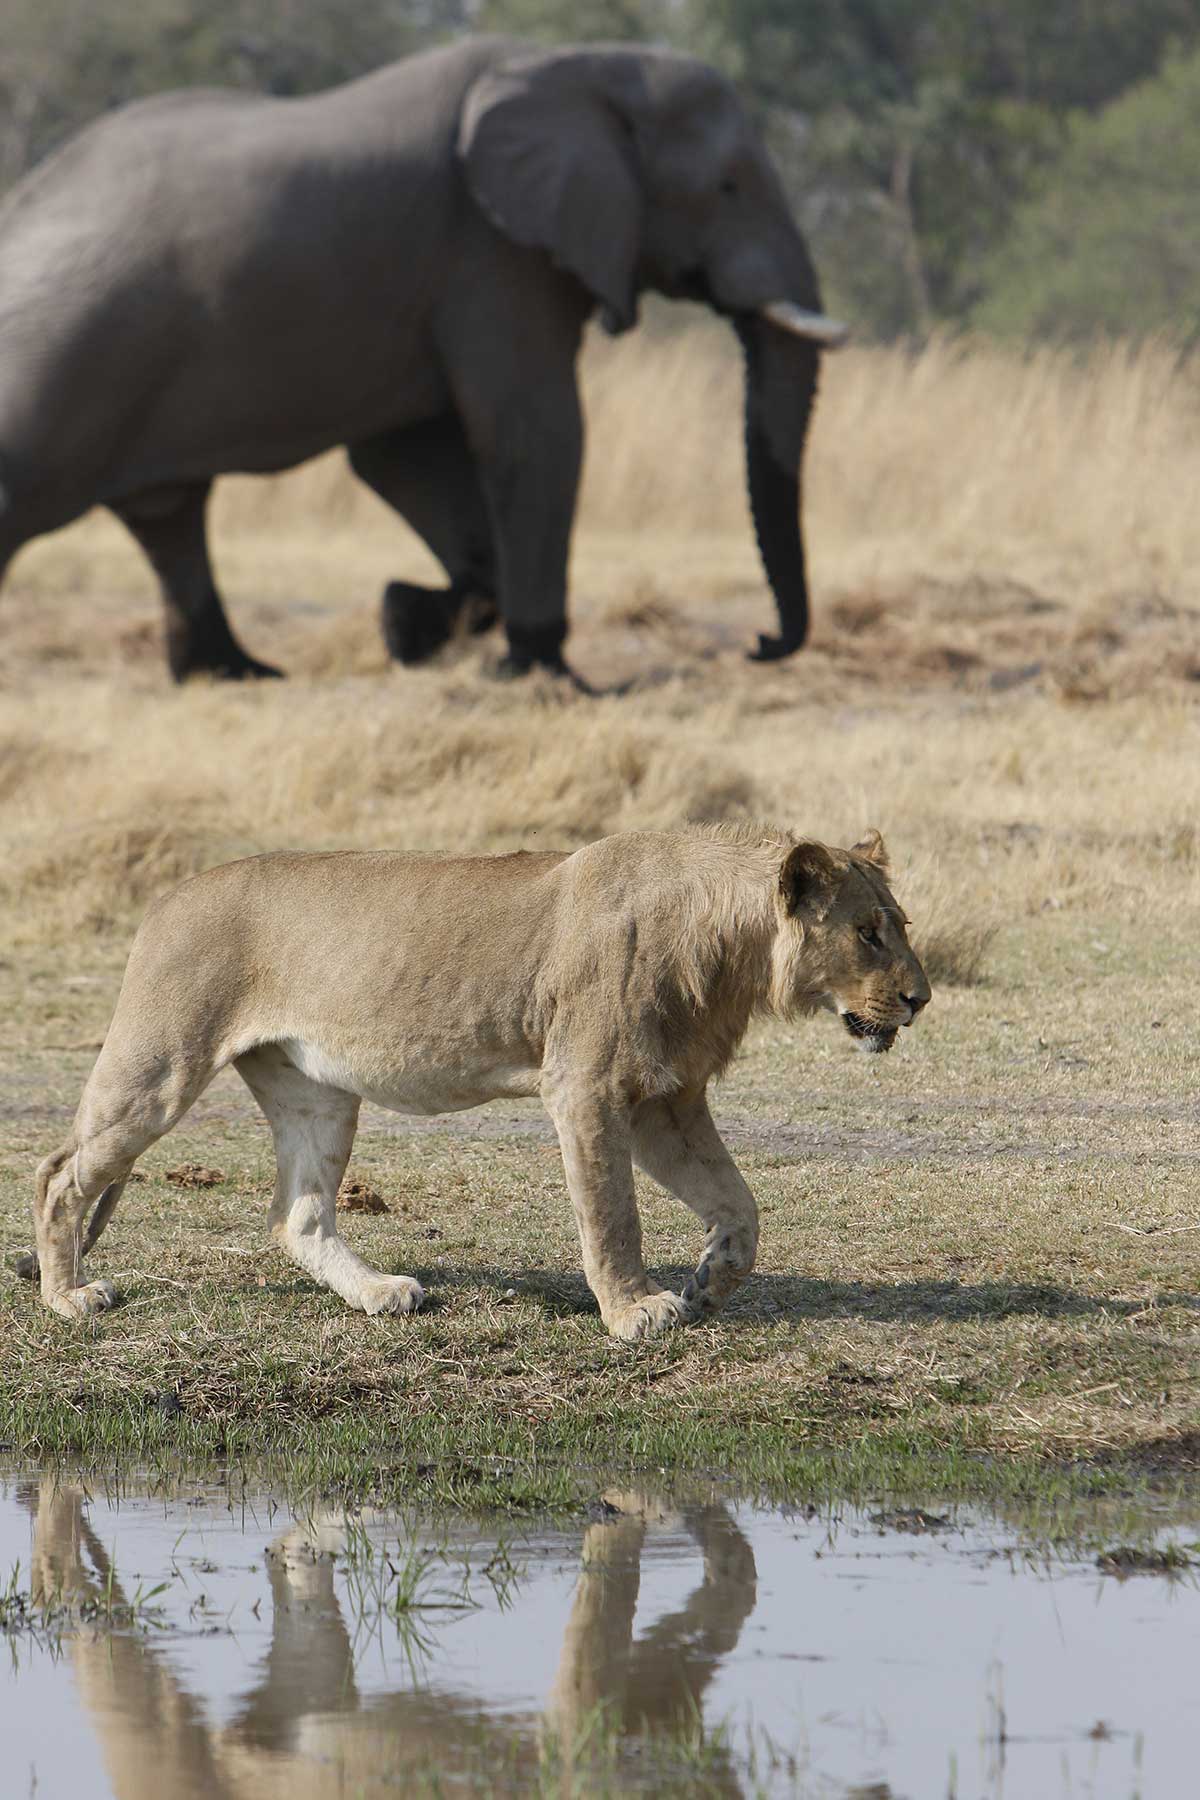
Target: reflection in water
953,1664
659,1681
304,1730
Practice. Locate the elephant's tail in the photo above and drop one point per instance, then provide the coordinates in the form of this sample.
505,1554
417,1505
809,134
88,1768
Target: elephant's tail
8,541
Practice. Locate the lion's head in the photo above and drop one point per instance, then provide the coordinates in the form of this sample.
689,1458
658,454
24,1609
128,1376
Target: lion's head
843,942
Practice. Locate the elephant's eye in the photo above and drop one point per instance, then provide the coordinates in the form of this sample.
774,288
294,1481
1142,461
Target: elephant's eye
869,935
729,186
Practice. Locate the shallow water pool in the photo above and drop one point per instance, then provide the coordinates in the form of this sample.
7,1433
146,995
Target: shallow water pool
205,1642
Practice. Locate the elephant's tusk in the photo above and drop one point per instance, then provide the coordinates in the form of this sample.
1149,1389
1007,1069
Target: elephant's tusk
815,326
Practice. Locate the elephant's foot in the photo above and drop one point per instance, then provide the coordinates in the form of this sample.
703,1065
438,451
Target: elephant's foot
511,668
217,653
417,621
241,668
539,647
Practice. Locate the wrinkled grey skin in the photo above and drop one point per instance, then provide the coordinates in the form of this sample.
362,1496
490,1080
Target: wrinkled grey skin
211,281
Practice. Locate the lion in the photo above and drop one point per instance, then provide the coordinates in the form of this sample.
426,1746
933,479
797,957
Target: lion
615,983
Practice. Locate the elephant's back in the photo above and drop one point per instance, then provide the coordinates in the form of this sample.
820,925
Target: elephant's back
173,141
103,160
259,268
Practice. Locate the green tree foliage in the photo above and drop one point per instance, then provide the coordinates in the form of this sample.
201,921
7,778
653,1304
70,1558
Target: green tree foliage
911,129
911,133
1111,241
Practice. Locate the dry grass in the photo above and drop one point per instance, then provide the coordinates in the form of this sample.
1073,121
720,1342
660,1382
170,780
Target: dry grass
1003,679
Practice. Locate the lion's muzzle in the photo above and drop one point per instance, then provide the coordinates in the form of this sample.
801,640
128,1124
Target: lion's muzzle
875,1039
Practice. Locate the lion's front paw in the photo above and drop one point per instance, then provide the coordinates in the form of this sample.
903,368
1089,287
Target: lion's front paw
392,1293
648,1317
81,1302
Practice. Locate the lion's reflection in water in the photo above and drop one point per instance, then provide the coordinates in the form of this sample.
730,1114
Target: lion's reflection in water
305,1731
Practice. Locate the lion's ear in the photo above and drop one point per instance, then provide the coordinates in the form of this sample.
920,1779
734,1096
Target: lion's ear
808,878
872,849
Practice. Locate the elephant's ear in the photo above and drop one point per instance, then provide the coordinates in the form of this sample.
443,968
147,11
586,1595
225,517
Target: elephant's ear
548,146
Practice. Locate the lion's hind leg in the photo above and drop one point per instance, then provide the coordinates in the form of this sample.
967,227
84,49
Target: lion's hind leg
134,1095
313,1127
69,1180
58,1213
676,1142
28,1267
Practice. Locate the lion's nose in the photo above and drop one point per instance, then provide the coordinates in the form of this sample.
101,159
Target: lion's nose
914,1002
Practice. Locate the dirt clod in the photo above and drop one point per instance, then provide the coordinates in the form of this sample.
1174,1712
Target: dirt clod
357,1197
194,1175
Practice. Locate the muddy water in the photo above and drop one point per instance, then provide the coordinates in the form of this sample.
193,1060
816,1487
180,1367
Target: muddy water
202,1643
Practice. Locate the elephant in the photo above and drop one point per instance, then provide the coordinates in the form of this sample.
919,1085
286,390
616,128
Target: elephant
212,281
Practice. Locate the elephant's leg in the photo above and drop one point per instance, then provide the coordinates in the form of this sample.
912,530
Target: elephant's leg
532,480
427,473
169,525
512,368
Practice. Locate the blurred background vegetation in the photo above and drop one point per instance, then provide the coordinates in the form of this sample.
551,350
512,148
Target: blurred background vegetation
1030,167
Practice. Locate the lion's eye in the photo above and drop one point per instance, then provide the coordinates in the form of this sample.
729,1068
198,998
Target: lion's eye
869,935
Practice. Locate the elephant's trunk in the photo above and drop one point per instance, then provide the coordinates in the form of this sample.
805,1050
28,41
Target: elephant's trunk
781,380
